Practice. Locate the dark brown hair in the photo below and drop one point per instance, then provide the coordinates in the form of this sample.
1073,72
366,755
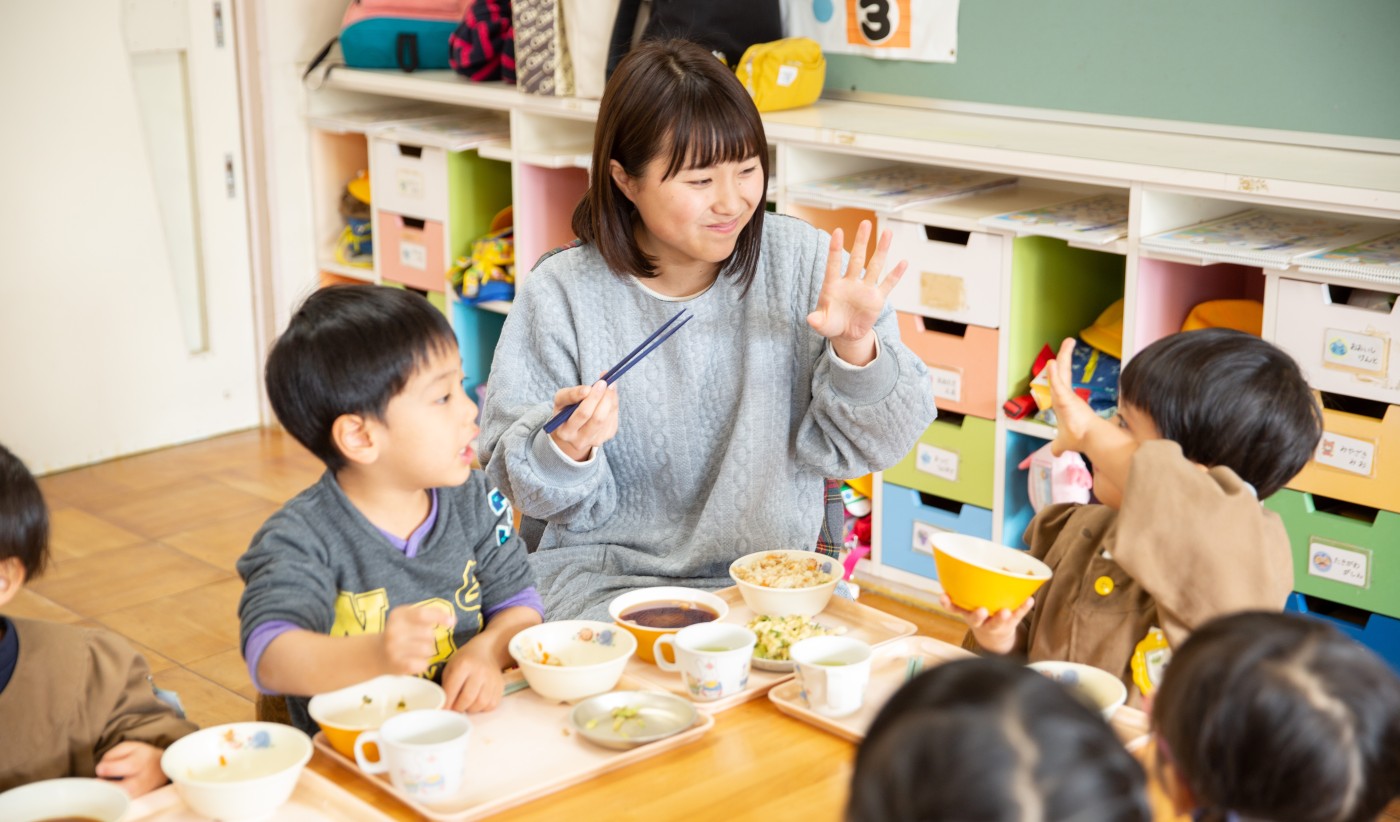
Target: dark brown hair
1281,717
668,96
24,519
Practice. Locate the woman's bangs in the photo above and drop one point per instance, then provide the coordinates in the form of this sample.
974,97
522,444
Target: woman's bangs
715,134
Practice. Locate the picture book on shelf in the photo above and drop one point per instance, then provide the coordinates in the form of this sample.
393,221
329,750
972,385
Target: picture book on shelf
896,187
1377,259
1099,220
1261,237
454,132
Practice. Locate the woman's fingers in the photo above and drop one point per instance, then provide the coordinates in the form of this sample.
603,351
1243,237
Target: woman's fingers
856,268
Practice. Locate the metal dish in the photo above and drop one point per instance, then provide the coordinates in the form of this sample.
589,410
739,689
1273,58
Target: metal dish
604,720
777,666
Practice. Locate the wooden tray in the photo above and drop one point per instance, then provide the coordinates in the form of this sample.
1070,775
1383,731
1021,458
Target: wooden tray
887,673
524,750
316,799
860,621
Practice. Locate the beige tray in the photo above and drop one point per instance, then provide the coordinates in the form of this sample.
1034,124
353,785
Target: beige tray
887,673
524,750
316,799
860,621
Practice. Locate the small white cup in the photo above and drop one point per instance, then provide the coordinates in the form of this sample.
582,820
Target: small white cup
424,752
712,657
834,671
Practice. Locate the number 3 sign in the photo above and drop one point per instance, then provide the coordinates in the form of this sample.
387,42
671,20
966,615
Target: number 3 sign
925,30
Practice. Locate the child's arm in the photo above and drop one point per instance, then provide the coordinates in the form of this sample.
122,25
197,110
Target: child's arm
303,662
994,633
472,677
137,726
1109,447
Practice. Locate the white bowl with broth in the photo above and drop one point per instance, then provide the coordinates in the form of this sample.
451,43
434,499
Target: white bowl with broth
239,771
572,658
91,800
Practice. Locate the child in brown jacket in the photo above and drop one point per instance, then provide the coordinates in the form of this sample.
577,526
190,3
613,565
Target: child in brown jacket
73,701
1209,423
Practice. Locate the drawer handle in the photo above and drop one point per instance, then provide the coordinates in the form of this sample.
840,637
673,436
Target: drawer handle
414,223
1368,300
1334,611
952,236
952,506
951,418
1361,407
1343,508
937,326
410,151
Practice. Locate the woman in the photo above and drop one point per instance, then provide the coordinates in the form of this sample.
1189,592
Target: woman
718,443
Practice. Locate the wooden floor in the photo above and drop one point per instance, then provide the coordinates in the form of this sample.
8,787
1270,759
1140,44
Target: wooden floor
146,545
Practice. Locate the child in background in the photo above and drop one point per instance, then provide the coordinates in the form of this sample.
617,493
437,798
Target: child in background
989,740
1209,423
1278,717
401,559
73,701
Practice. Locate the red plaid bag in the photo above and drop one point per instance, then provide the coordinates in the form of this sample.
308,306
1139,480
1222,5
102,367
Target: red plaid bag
483,46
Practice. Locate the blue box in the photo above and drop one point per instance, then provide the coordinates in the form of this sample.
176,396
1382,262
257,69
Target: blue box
908,517
1377,632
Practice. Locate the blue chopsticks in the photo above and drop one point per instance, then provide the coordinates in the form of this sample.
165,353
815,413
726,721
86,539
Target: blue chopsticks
632,358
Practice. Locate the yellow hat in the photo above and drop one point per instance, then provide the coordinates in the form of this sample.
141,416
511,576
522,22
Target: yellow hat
861,484
359,187
1241,315
1106,334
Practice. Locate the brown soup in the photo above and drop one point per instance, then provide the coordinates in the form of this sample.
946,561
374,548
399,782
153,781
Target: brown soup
667,615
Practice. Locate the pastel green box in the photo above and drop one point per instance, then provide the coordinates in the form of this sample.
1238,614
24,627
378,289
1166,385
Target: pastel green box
952,459
1342,559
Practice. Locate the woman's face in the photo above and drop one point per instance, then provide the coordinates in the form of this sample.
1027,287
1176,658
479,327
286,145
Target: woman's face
695,216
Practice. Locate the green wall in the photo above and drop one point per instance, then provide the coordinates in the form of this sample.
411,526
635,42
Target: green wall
1329,66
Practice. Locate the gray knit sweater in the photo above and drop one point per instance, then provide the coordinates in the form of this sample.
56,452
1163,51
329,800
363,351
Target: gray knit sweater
726,431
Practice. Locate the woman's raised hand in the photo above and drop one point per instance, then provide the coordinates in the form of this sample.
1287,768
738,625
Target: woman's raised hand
850,303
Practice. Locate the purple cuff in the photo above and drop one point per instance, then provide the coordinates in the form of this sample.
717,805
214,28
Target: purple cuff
527,598
258,640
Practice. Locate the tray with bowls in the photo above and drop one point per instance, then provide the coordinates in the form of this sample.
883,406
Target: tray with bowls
892,665
843,616
531,746
315,799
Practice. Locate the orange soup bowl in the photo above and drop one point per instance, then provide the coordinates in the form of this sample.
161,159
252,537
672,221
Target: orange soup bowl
345,714
978,573
674,596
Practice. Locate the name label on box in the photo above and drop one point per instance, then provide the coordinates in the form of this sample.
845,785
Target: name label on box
939,462
947,383
1344,564
1346,453
410,184
413,255
1352,351
923,537
943,292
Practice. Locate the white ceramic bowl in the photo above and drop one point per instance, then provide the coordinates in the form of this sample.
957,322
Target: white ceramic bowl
1095,686
807,602
590,657
345,714
74,797
243,770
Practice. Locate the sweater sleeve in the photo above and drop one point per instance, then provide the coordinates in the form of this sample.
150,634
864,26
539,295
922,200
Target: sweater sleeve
861,419
287,577
133,712
536,357
1199,541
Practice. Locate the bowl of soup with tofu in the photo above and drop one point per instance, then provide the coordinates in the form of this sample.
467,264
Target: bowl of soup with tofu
978,573
648,613
90,800
345,714
238,771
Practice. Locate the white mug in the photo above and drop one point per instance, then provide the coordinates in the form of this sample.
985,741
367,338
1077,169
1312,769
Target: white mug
834,671
712,657
424,752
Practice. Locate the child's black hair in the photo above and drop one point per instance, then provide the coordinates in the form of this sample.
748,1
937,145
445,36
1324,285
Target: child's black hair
1227,398
24,518
989,740
349,349
1281,717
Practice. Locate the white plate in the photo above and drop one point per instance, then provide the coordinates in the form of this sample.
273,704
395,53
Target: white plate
780,666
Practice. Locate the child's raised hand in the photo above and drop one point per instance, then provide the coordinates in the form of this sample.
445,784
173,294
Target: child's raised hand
593,423
1073,416
849,304
135,764
995,633
472,681
410,639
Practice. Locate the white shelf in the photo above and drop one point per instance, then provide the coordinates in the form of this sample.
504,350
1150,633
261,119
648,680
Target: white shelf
1030,428
496,306
327,262
577,156
446,86
966,213
497,150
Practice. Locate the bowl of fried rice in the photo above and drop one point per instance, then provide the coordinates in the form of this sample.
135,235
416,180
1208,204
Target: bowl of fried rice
786,583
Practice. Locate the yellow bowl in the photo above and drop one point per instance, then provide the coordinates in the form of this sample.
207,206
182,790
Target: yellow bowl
646,637
977,573
345,714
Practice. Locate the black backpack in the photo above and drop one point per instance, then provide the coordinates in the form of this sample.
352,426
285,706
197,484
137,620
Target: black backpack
726,27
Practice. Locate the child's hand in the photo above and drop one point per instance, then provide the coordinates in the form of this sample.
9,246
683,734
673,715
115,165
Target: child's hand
995,633
593,423
409,641
1074,419
472,681
136,764
849,304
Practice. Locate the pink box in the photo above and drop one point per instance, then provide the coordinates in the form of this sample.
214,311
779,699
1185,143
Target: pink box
963,359
411,251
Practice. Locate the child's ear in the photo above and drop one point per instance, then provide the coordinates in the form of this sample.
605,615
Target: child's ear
11,579
358,438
